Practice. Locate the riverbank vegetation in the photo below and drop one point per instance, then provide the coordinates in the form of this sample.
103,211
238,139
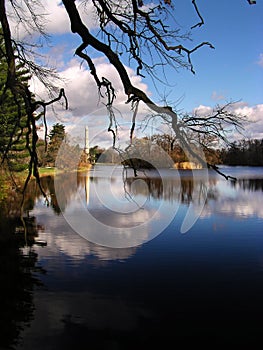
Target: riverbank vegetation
152,149
244,152
129,37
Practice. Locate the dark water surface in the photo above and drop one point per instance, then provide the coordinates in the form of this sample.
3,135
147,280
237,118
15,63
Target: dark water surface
169,289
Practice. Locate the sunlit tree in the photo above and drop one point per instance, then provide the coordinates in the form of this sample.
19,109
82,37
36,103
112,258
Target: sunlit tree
141,34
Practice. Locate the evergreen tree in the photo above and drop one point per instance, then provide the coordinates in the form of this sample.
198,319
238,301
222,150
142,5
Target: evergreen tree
13,122
56,136
244,152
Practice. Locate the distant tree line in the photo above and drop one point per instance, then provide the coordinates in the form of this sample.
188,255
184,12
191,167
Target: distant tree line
171,145
244,152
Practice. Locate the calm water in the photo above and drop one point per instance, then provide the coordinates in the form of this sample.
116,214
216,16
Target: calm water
161,287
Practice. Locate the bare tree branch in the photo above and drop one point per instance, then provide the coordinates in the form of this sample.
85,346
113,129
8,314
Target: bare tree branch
22,96
128,31
199,24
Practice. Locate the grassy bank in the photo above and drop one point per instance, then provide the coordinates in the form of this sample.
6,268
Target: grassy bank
7,183
47,171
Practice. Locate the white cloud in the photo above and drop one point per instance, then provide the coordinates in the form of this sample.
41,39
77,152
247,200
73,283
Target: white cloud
52,17
86,106
57,20
254,124
253,127
202,110
82,91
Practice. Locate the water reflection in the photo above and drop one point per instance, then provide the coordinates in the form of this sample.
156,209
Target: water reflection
18,268
183,190
240,199
68,243
132,203
124,212
249,184
218,196
91,297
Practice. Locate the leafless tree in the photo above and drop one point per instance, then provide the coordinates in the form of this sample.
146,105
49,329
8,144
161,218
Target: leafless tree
141,32
129,31
16,53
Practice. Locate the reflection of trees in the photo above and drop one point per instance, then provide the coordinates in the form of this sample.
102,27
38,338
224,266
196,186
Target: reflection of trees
183,189
11,206
17,279
249,184
66,186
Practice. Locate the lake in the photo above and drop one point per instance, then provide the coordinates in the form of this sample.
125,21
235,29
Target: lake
117,262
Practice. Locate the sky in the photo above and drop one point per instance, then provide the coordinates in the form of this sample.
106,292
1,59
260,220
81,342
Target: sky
233,71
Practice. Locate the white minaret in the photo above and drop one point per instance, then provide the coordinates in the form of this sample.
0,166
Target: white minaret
86,141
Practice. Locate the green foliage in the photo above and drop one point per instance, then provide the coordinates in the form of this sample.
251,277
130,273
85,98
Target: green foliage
69,155
96,153
57,132
56,137
13,120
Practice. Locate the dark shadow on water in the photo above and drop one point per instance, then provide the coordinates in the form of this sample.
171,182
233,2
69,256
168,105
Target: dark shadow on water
174,291
252,185
18,270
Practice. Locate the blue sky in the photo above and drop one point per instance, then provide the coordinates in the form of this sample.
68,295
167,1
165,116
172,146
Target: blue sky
232,71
